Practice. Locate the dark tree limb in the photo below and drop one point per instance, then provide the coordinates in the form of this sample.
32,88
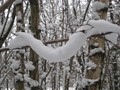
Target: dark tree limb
2,39
6,5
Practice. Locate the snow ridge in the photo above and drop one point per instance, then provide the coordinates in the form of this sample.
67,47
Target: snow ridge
76,41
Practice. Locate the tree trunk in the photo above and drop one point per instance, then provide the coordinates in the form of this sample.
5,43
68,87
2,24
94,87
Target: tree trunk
19,85
19,12
34,28
98,57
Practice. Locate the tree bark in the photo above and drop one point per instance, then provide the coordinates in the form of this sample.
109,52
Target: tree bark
98,57
19,12
34,22
6,5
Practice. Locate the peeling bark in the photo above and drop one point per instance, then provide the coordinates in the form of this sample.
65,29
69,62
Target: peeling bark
97,58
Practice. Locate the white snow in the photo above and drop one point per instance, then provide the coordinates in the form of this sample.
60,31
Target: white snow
18,42
19,15
76,41
20,25
34,83
97,5
95,16
15,64
19,76
96,50
99,27
112,37
85,82
96,44
29,66
93,27
43,75
90,65
61,88
17,2
27,78
30,80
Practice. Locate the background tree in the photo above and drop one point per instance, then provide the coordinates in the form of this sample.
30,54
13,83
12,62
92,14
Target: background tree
52,21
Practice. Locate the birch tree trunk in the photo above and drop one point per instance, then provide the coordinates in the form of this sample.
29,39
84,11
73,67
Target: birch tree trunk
98,57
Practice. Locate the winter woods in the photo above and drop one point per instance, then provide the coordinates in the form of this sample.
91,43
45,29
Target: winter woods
59,45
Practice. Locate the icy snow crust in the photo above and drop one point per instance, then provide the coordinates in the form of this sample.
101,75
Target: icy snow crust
76,41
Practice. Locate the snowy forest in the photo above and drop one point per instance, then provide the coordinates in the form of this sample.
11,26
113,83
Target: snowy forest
59,44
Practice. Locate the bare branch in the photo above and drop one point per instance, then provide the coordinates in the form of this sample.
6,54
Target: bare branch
47,42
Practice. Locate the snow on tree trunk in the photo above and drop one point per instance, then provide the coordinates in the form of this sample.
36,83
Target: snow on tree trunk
34,22
19,84
97,58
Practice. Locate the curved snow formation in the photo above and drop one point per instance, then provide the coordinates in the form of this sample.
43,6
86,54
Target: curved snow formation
76,41
94,27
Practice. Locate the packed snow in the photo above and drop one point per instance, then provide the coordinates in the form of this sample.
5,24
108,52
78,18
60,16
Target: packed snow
95,16
96,50
76,41
90,65
85,82
93,27
27,78
17,2
19,76
29,66
97,5
15,64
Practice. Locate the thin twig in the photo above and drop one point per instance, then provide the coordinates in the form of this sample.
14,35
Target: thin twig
86,10
47,42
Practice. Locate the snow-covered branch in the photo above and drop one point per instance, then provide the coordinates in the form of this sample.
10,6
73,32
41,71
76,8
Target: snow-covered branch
76,41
